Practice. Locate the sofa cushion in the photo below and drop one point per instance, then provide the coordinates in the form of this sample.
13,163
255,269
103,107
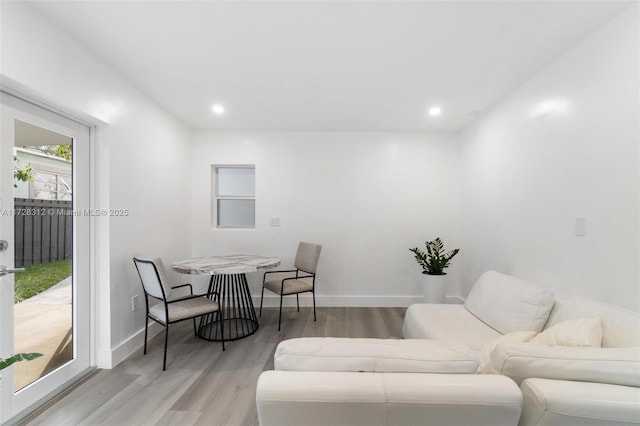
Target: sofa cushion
517,337
509,304
620,326
577,332
374,355
559,402
519,361
449,323
321,398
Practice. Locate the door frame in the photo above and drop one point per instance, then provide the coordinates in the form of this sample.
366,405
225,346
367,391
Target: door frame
14,97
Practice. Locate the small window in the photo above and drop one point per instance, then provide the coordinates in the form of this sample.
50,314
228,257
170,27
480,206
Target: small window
234,196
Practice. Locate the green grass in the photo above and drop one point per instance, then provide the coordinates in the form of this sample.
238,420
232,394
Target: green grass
38,278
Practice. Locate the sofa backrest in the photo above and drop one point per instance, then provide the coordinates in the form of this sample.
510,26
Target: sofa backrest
509,304
620,326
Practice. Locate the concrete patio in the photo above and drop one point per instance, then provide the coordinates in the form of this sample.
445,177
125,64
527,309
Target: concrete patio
43,323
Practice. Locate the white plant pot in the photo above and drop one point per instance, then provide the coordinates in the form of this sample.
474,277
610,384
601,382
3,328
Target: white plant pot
434,288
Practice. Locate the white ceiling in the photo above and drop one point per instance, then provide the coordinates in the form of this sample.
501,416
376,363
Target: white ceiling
332,65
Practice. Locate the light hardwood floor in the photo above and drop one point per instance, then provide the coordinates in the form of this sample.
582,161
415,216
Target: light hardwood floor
203,385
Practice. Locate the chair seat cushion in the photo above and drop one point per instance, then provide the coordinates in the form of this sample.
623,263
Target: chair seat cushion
183,309
290,286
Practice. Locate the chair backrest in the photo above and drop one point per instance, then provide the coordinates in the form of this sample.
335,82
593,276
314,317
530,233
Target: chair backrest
153,277
307,257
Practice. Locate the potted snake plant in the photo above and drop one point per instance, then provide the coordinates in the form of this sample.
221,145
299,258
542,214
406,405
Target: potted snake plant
433,262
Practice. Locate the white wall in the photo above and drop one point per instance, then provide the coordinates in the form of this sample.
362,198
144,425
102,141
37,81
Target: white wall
366,197
144,156
527,174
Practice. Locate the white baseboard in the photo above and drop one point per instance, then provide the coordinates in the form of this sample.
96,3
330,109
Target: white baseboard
271,301
455,300
104,358
133,343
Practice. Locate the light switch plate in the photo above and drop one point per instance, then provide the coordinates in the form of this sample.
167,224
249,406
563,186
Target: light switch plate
275,221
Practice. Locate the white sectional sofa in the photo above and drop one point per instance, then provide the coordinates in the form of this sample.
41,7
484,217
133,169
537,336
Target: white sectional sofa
430,378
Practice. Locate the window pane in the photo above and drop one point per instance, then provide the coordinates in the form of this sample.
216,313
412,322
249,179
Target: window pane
44,185
236,213
237,181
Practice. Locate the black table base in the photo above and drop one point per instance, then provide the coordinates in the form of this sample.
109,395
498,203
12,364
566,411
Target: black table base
238,317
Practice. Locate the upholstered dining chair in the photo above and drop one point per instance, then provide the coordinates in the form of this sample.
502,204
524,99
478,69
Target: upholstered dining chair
306,262
170,310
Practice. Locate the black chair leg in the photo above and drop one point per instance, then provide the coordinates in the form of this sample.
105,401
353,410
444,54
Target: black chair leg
195,329
221,321
166,343
200,324
261,297
280,316
314,305
298,301
146,325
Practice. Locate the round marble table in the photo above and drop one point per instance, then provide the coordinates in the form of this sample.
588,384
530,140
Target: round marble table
228,286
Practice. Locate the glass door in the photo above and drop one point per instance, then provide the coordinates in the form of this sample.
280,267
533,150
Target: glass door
45,226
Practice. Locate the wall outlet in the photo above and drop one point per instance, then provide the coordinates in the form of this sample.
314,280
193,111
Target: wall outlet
275,221
134,303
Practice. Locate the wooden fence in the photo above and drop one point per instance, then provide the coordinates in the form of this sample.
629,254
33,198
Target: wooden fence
43,231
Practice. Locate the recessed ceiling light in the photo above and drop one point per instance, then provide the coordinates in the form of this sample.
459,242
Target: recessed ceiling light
217,109
435,111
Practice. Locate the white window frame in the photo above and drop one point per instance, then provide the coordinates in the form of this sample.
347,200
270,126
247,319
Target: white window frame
58,174
215,196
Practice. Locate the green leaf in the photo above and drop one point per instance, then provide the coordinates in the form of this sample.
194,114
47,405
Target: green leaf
435,260
4,363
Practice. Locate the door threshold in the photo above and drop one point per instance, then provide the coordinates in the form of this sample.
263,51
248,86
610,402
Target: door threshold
28,415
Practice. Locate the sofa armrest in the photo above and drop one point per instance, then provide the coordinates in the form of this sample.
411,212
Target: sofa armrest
559,402
519,361
311,398
374,355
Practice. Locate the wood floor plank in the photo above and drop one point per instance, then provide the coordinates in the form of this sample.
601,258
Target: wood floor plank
174,417
204,385
144,403
95,393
